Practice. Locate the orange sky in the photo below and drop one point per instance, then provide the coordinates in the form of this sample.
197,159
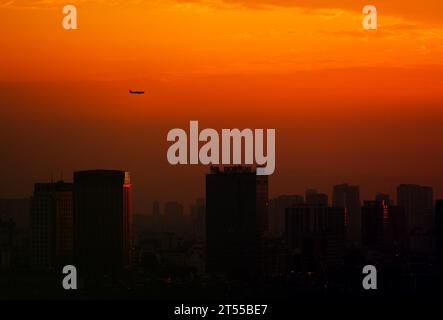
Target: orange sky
348,104
142,39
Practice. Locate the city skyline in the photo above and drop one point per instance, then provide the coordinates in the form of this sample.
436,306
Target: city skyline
235,232
187,202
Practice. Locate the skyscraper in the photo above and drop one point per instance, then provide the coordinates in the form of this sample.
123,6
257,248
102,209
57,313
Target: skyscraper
397,234
317,232
383,197
418,203
173,209
157,218
236,201
439,232
7,232
348,197
385,201
198,219
372,224
51,225
15,226
312,197
18,210
383,225
173,217
102,222
276,212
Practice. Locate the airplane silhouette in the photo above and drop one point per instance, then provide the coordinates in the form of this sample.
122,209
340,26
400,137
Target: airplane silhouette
136,92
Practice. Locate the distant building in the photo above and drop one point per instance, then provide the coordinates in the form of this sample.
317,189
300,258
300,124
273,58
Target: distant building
51,225
15,229
156,220
348,197
7,233
173,209
372,213
439,232
383,226
384,197
312,197
173,217
198,219
19,210
196,258
236,200
275,256
418,203
397,233
141,223
317,234
276,213
385,200
102,223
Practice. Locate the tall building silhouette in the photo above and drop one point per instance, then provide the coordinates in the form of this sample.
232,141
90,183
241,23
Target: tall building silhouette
173,217
317,234
418,203
102,223
17,209
198,219
157,218
236,222
383,225
276,213
312,197
372,223
439,232
7,243
51,225
397,229
386,202
383,197
348,197
173,209
15,226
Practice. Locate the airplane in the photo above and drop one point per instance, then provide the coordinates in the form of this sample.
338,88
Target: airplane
136,92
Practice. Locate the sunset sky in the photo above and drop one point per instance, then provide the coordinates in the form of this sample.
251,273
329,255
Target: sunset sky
348,105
